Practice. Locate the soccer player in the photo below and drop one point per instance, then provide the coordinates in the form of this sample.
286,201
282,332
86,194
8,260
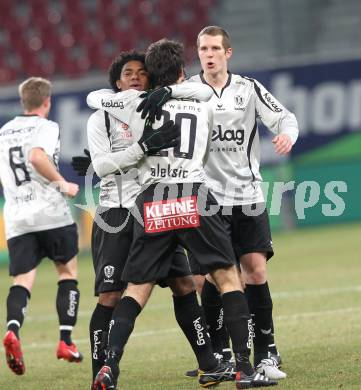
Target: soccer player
233,173
114,151
38,221
172,206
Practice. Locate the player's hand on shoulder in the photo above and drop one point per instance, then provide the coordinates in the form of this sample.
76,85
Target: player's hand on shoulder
151,105
282,143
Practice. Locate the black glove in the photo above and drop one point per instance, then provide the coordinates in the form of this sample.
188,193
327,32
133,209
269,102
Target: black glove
153,101
153,140
81,164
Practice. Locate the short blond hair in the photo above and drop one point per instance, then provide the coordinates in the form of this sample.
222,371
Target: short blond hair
213,31
33,92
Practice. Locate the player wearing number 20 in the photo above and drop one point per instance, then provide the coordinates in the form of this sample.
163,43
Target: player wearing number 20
38,221
173,204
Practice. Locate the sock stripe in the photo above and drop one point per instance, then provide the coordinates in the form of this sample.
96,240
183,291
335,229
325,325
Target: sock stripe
15,322
65,327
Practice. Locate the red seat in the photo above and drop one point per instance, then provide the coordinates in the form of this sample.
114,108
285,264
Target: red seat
98,33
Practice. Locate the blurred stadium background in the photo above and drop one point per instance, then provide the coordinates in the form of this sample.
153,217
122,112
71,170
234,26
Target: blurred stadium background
306,52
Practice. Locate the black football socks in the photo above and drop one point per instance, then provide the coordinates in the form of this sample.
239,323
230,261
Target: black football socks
16,307
260,305
67,304
98,333
239,325
213,309
190,318
121,326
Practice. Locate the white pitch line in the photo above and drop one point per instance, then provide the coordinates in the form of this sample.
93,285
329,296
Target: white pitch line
297,316
321,291
275,295
86,341
148,333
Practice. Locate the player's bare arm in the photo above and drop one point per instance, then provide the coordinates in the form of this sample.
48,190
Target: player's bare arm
45,168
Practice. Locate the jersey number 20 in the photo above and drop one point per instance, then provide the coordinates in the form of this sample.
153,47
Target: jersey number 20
188,125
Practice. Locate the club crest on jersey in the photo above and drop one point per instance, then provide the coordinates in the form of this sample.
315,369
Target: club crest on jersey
239,100
172,214
108,272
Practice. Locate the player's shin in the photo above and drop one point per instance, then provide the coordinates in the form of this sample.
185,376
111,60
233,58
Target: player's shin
214,314
120,328
238,323
67,304
16,307
190,319
98,332
260,305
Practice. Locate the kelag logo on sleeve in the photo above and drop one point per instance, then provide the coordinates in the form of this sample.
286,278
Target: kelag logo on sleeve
180,213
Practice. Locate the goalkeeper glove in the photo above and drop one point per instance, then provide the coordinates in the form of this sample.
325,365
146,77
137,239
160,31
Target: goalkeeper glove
166,136
81,164
153,101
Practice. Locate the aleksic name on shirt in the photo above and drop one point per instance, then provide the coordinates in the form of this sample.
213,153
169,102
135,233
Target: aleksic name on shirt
158,171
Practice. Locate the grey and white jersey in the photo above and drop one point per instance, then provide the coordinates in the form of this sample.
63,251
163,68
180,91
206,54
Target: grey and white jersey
183,164
32,203
234,159
109,138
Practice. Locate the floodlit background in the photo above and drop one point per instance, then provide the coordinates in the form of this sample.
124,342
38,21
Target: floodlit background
308,54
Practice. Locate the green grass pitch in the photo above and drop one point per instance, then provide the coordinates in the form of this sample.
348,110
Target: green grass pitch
315,279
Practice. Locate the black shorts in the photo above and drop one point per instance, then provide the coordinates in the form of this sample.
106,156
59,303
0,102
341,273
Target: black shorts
249,233
27,251
179,267
204,236
110,247
110,251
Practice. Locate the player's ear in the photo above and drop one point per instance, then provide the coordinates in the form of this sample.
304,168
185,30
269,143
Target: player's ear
119,84
229,53
47,102
182,75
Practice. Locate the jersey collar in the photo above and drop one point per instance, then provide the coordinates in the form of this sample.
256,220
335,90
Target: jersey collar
201,75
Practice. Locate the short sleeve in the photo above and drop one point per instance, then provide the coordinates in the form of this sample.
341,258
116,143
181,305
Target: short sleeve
46,137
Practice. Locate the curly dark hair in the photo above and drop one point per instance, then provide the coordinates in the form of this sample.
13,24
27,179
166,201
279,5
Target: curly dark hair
116,66
164,61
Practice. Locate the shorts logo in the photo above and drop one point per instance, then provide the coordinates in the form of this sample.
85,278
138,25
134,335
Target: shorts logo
164,215
108,272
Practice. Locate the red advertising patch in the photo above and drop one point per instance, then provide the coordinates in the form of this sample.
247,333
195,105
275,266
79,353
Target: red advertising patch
164,215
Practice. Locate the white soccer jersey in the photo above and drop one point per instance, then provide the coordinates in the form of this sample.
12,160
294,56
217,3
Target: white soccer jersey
109,138
183,164
234,158
31,202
